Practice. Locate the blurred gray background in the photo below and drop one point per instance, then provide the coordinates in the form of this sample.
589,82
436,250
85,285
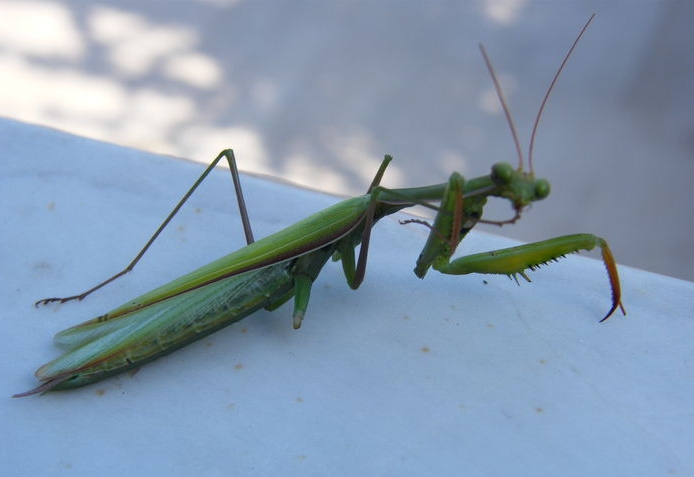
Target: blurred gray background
317,92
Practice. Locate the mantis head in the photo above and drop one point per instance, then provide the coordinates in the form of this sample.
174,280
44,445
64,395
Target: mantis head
521,188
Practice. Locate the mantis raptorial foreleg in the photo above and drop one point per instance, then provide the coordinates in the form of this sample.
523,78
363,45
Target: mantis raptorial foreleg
455,219
227,154
515,260
460,211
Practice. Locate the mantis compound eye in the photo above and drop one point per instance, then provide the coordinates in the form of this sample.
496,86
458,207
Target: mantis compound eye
542,189
502,173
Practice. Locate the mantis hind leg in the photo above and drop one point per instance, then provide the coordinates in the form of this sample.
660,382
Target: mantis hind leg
227,154
515,261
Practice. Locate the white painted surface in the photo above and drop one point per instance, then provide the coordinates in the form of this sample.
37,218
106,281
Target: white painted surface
402,377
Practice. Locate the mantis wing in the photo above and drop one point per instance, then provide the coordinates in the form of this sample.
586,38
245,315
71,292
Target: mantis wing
306,236
100,349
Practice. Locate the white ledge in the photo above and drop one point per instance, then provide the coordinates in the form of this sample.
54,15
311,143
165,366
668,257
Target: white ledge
403,377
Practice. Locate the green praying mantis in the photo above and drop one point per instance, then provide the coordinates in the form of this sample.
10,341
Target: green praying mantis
268,272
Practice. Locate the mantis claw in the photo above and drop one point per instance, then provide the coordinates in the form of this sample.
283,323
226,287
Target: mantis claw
46,301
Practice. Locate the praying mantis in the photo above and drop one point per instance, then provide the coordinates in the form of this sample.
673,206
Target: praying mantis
268,272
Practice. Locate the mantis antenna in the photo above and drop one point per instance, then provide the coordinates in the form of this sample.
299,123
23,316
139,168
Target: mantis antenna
505,107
